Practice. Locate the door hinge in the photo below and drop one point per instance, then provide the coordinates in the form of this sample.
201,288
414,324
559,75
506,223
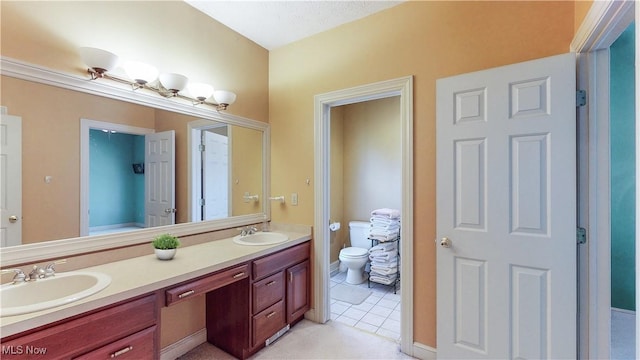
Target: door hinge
201,147
201,202
581,236
581,98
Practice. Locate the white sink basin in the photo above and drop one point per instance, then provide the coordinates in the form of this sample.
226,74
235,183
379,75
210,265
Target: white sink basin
61,289
261,238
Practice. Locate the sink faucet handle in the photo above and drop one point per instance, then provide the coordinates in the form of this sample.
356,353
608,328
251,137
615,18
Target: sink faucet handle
19,276
50,270
36,273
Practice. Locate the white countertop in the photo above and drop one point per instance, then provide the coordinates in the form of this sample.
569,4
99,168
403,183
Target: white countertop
145,274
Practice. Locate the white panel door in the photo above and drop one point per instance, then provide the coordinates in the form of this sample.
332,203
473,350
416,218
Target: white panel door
159,176
10,180
506,212
215,174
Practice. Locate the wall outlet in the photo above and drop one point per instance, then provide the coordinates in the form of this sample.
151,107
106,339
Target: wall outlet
294,199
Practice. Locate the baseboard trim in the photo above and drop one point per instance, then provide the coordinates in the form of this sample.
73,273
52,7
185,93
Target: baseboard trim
423,352
334,267
184,345
624,311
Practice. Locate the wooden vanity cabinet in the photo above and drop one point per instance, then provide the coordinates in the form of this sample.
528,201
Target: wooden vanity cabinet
298,291
289,298
124,331
240,320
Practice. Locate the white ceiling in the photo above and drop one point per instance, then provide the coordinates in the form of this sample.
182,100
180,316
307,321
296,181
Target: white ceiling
272,24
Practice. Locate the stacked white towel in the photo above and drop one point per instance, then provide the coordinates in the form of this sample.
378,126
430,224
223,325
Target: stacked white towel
385,224
384,263
383,279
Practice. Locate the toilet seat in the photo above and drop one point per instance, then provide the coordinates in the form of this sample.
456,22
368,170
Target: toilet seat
354,252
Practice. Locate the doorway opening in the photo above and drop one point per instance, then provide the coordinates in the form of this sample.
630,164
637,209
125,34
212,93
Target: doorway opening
210,150
401,88
365,168
116,182
604,24
623,197
86,190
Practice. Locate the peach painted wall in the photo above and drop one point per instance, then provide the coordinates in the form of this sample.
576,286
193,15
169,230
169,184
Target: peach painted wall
429,40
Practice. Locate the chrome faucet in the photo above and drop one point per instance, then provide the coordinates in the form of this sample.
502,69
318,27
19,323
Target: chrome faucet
36,273
50,270
248,230
19,276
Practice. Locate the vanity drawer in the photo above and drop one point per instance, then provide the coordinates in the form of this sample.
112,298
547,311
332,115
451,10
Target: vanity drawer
268,322
268,291
92,331
278,261
206,284
140,345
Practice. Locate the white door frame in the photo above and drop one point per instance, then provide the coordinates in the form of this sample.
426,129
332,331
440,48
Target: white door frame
603,24
193,159
85,126
402,87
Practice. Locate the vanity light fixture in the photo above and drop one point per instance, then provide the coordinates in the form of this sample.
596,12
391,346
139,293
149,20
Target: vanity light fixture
173,82
144,76
140,72
200,91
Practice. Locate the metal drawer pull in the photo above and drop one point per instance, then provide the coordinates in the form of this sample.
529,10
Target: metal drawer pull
270,283
240,274
271,314
186,293
123,351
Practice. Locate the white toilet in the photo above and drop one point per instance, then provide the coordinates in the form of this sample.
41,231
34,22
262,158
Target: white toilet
356,257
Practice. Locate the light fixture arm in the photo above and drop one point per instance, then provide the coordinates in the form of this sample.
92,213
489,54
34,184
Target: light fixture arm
159,89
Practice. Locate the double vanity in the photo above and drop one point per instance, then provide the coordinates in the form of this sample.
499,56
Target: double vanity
253,291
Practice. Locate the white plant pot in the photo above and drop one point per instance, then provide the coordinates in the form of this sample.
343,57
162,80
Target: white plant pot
165,254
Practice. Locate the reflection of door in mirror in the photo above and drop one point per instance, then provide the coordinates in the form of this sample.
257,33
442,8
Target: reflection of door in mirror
160,179
10,180
210,149
119,197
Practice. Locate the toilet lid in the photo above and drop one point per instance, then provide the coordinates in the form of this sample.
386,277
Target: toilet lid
354,252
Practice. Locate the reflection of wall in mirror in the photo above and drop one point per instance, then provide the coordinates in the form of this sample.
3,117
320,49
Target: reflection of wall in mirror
51,143
246,151
51,147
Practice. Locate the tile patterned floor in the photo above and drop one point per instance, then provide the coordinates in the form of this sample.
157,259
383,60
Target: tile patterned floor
379,313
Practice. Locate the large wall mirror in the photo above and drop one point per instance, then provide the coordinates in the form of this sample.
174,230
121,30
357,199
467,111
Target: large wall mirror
83,146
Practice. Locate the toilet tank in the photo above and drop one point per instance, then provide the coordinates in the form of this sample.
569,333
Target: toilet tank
359,234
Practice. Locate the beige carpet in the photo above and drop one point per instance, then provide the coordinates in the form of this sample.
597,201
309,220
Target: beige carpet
350,293
308,340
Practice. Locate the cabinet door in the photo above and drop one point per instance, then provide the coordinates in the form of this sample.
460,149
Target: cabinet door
298,291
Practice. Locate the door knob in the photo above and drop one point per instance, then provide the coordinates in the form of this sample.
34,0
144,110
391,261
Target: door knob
13,219
445,242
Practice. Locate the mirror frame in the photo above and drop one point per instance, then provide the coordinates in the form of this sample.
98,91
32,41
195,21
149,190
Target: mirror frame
51,249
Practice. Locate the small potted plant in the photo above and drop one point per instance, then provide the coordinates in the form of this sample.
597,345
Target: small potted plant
165,246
